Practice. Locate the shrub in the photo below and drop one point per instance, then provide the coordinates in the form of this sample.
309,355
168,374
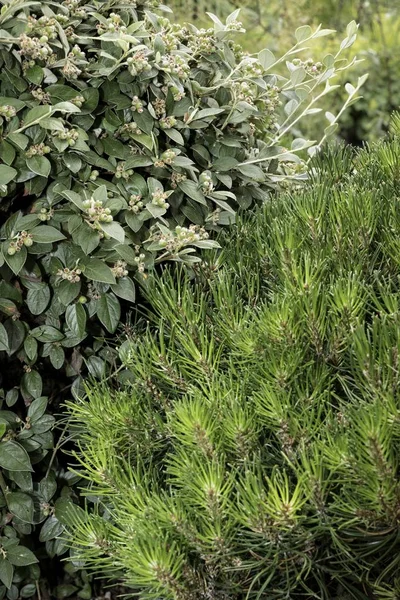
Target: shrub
253,448
125,141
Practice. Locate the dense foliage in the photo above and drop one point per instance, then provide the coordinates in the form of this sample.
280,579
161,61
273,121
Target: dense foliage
271,24
125,141
253,448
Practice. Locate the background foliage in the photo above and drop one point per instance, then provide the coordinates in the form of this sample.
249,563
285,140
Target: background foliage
272,23
254,446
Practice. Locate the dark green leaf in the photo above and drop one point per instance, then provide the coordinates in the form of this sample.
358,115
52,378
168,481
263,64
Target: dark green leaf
75,317
21,505
7,174
14,457
45,234
31,384
6,572
47,333
109,311
39,165
125,288
21,556
38,299
97,270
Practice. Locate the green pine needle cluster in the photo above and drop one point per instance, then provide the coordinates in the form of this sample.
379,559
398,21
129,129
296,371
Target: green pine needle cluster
252,451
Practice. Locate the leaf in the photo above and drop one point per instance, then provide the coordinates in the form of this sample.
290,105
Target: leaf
303,33
3,339
97,270
37,408
67,291
125,288
48,487
14,457
21,505
174,135
6,572
114,230
35,74
266,58
39,165
75,317
57,357
115,148
16,334
191,189
38,299
17,261
252,171
109,311
31,384
7,152
21,556
30,348
47,333
36,114
45,234
7,174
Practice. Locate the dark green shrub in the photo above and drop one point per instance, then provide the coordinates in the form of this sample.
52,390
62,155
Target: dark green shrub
253,450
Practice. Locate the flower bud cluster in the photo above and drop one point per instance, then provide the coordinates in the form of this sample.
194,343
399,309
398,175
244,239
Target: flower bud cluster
237,50
94,175
159,106
215,216
34,48
113,24
37,150
119,269
7,112
177,65
129,129
92,292
70,136
78,101
75,9
137,105
159,198
167,122
168,156
203,42
96,213
311,67
177,178
251,68
44,27
71,275
22,239
135,203
138,63
71,71
206,183
41,95
76,53
270,100
181,237
177,93
46,214
122,173
139,260
243,90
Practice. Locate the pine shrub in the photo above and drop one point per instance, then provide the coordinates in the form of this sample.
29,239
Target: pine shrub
251,447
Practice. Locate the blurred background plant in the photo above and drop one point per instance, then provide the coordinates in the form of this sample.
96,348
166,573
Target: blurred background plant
271,24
